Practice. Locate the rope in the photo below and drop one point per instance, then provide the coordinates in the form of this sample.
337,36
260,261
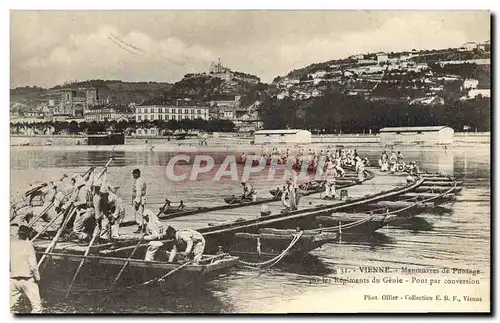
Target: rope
148,282
275,260
340,227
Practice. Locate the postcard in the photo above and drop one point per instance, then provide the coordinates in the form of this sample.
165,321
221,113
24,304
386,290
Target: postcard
250,161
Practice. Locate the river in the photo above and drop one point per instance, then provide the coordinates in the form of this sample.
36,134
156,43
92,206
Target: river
459,237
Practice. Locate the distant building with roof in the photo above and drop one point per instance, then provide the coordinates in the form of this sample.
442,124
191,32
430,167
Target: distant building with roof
382,57
180,110
429,135
282,136
467,47
109,113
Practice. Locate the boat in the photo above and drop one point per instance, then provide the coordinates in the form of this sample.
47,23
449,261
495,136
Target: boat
269,243
395,205
106,139
220,232
442,183
304,219
354,223
102,265
233,202
437,189
384,212
426,195
312,186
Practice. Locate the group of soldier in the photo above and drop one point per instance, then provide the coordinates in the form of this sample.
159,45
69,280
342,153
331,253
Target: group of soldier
94,202
311,156
98,212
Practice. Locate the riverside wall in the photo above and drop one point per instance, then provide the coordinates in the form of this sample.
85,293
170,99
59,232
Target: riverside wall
224,142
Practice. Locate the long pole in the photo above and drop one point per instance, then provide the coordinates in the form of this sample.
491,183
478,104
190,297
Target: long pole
37,217
122,269
105,168
57,236
129,258
35,189
96,234
48,225
91,243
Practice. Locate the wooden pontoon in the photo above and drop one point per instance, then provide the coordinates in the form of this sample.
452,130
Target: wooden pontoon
267,243
102,266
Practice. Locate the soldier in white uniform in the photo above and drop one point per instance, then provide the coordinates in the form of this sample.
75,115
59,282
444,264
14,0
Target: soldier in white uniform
24,275
138,199
83,202
248,192
154,231
331,173
360,169
195,243
393,159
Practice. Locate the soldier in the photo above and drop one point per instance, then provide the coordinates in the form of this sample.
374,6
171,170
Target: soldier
83,202
289,197
195,243
264,210
401,158
117,211
384,162
331,173
138,199
24,275
248,192
360,169
393,159
154,231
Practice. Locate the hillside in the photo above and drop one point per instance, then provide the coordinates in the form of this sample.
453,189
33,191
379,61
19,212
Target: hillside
117,92
367,91
206,87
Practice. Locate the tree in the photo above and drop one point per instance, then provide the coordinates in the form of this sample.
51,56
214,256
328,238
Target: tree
73,127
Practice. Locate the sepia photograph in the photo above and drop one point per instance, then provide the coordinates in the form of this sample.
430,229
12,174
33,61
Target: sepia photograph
250,161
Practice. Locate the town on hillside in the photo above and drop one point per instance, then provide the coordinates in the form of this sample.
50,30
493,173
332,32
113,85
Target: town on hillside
438,78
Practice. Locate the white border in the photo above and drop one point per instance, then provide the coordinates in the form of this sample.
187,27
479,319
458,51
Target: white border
147,4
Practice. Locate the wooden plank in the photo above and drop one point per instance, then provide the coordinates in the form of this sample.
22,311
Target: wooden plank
299,214
436,189
439,183
426,195
105,260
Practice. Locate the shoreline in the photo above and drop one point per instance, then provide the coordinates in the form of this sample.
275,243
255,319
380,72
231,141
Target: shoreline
230,141
241,147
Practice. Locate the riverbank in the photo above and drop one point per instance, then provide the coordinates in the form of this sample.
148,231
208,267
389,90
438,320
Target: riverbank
234,141
243,147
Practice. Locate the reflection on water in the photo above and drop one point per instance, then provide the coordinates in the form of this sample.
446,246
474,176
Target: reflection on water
455,234
414,224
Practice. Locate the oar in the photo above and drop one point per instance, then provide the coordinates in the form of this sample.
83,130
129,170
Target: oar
36,218
48,225
129,258
39,187
91,243
14,215
105,168
96,234
121,270
57,236
162,278
39,215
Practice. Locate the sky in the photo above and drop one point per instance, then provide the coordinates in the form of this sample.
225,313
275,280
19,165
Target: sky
52,47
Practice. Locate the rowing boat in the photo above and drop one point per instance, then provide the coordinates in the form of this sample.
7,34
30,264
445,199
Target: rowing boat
101,267
268,242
